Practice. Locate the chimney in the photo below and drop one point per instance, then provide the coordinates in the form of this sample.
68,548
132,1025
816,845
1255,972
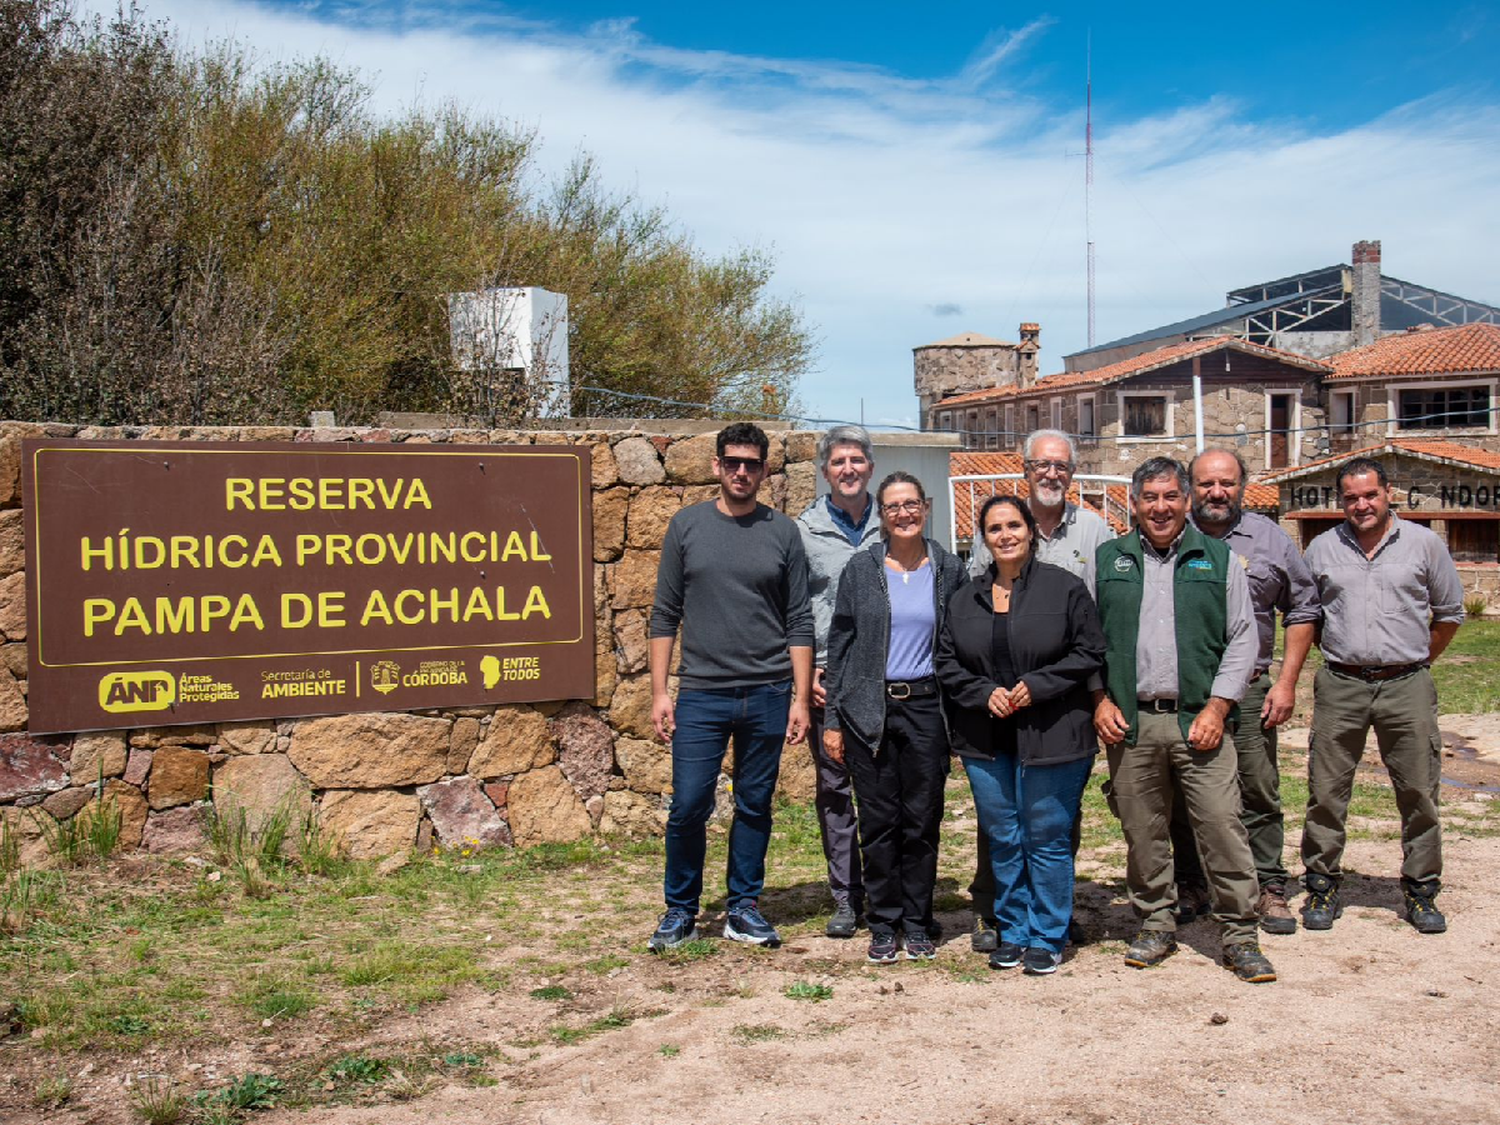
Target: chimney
1026,351
1365,303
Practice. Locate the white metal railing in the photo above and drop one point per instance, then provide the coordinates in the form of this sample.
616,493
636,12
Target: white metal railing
1092,487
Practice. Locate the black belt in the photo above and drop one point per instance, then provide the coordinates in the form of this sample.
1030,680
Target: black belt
1371,673
1160,706
910,689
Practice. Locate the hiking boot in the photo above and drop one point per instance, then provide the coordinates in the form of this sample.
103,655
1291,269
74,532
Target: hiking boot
985,938
1322,905
1424,917
1007,955
676,926
844,922
1245,960
882,949
1192,903
1150,947
745,923
919,947
1040,962
1275,914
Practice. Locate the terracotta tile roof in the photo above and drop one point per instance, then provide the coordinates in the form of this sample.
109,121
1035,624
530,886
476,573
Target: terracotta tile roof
968,340
1262,497
973,463
1449,452
1123,369
1429,351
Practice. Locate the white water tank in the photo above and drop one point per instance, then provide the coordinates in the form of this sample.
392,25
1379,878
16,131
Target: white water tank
515,330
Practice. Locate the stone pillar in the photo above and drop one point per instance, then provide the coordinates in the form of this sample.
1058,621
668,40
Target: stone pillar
1365,305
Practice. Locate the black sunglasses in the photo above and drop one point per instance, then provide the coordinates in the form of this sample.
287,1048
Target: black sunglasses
749,464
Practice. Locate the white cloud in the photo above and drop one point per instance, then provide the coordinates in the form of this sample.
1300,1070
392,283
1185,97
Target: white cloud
887,198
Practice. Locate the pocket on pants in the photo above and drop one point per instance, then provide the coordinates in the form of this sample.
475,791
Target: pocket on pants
1108,790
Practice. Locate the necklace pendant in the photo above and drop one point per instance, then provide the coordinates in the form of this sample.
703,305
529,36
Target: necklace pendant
905,577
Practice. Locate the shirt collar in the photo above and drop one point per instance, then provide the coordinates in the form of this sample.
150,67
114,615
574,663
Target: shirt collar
1069,516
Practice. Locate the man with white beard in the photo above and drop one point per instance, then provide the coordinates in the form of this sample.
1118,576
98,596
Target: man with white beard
1067,535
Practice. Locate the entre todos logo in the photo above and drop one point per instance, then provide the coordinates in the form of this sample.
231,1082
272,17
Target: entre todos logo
123,692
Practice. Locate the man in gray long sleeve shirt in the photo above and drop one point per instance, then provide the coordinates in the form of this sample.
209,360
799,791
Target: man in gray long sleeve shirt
733,576
1181,645
1279,580
1392,601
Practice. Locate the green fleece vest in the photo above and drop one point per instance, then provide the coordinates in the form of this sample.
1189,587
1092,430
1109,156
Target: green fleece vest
1200,614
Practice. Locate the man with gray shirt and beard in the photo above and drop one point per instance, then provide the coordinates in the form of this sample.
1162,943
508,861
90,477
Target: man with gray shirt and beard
833,528
733,577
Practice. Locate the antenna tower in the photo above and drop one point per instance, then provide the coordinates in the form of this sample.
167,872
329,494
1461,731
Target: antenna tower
1088,175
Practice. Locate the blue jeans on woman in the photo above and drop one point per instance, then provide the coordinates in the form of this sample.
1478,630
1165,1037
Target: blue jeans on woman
755,718
1027,815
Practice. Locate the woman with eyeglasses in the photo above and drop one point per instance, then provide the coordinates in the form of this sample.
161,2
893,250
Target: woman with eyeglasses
885,716
1017,648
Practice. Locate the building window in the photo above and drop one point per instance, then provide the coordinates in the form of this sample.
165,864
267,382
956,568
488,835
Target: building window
1010,427
1057,414
1086,426
1033,418
1145,415
1341,412
1442,408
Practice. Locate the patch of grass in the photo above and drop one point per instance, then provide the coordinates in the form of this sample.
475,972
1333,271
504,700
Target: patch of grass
551,992
362,1069
1468,673
601,965
613,1021
277,997
807,990
669,1050
52,1092
251,1091
695,950
757,1032
156,1100
462,1058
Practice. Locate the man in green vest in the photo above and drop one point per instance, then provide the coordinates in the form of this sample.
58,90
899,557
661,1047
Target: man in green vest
1181,648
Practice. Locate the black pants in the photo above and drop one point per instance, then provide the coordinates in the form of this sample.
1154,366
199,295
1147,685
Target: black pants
900,794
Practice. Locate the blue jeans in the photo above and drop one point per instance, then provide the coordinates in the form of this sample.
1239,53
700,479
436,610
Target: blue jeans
755,717
1027,814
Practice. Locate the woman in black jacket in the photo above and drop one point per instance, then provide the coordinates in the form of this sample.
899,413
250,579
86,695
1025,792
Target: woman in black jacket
1014,657
885,715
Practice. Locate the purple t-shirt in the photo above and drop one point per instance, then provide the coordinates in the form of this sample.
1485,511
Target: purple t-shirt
913,624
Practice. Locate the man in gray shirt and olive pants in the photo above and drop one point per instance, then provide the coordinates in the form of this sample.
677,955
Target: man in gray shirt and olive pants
1392,601
1180,648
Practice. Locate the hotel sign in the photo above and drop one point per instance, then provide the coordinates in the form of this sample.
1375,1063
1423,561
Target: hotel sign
213,581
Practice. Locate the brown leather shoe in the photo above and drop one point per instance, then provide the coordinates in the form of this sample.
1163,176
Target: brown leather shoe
1275,915
1192,903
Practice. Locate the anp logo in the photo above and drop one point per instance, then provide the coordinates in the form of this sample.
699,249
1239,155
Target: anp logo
123,692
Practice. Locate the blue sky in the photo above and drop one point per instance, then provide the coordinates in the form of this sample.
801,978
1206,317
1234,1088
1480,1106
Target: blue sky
918,173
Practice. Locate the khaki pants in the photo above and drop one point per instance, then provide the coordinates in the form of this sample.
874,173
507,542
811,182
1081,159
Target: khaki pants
1404,715
1260,798
1142,779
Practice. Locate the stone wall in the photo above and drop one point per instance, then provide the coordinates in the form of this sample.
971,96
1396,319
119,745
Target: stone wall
385,782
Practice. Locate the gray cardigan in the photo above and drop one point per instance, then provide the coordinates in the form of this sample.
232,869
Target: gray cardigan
860,636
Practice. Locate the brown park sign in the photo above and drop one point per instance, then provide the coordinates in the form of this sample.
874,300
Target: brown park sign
211,581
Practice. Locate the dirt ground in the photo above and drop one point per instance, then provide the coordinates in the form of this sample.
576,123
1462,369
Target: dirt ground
1368,1022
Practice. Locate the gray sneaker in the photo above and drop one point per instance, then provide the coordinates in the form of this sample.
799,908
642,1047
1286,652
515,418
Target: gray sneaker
844,922
985,938
746,923
676,926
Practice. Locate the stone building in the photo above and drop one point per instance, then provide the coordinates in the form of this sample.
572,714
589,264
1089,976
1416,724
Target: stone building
1422,383
1264,402
969,361
1453,489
